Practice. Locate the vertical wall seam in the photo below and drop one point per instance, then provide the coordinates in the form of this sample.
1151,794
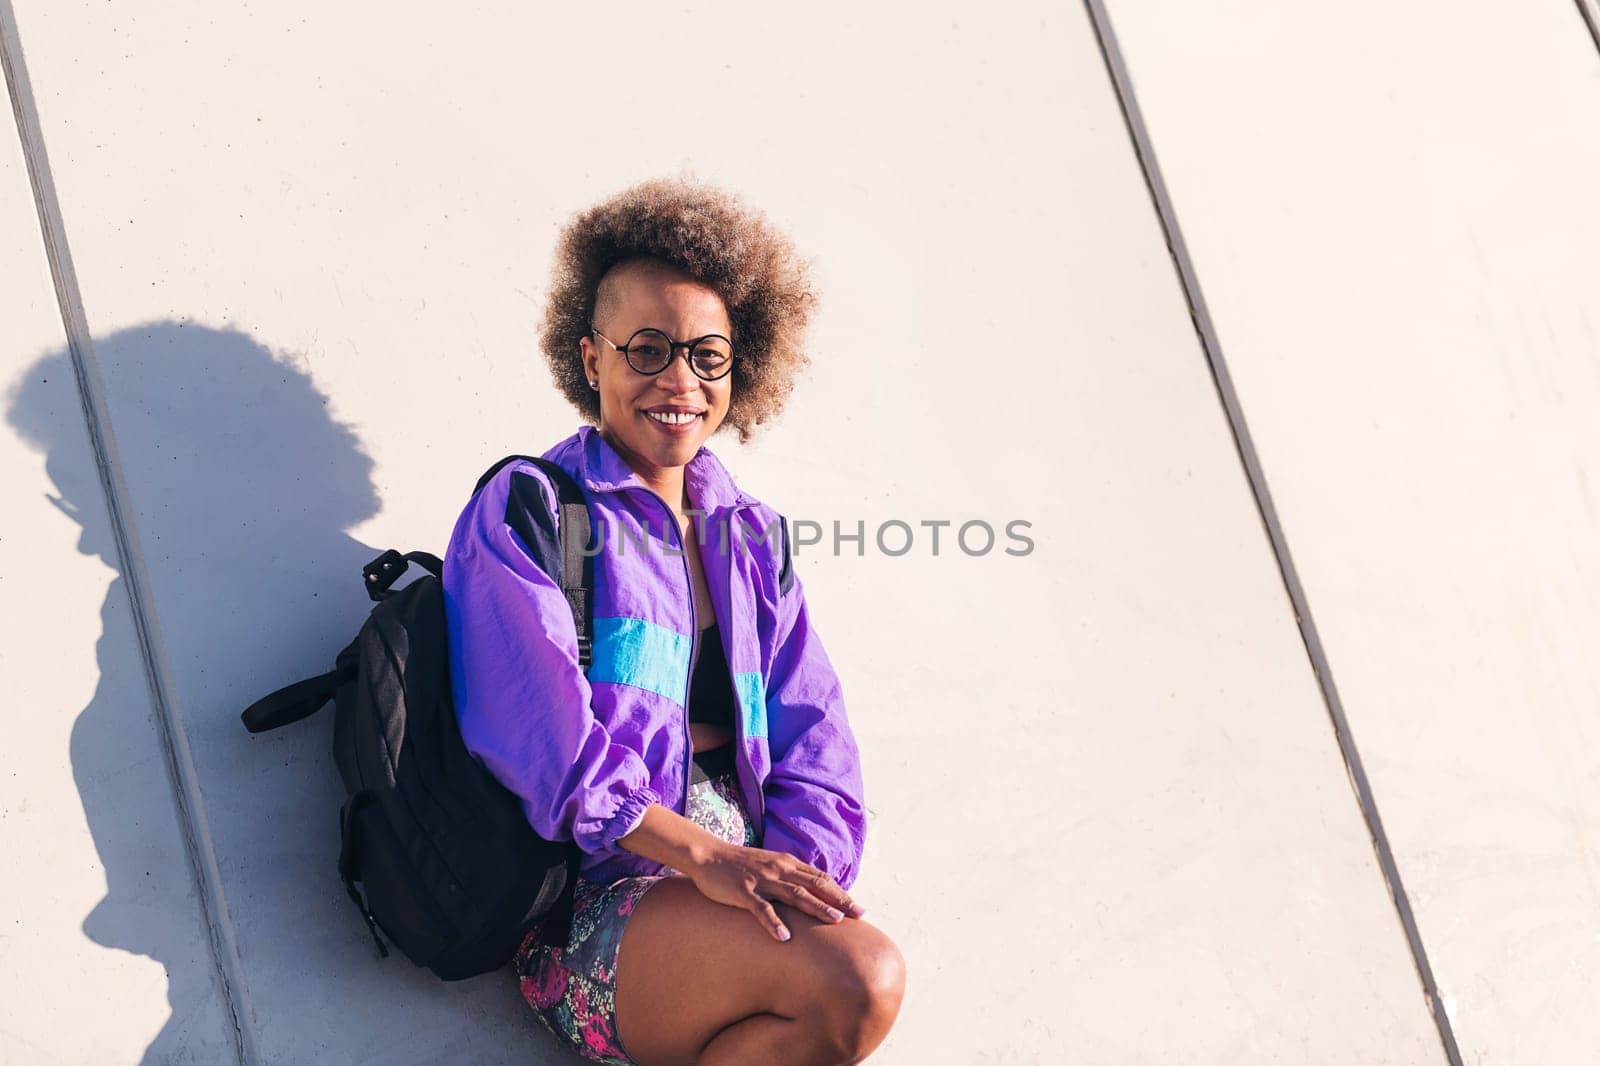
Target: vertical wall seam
180,764
1589,20
1199,313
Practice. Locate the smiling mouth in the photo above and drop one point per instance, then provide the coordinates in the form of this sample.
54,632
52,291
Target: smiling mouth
674,418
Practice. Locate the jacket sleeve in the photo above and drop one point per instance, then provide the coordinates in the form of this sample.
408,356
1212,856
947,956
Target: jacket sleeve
521,700
814,799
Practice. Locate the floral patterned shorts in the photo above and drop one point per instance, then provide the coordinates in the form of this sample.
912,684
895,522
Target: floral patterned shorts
572,987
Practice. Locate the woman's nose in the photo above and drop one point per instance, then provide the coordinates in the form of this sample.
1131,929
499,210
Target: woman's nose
677,375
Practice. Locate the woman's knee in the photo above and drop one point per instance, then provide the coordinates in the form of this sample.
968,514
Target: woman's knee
864,987
841,980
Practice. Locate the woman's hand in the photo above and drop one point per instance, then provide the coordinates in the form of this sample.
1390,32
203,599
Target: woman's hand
749,878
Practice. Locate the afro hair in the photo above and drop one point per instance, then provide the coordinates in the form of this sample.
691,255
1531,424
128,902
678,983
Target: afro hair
711,236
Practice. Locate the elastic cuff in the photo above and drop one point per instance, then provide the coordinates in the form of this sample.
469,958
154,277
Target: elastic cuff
627,817
636,823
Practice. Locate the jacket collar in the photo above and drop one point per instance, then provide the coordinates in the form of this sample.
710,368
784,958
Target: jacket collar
602,469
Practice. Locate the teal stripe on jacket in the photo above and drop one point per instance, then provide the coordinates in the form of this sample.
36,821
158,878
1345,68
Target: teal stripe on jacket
753,702
632,651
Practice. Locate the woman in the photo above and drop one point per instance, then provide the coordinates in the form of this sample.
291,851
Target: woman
703,764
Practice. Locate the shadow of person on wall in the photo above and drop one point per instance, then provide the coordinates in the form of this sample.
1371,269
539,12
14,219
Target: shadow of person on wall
242,485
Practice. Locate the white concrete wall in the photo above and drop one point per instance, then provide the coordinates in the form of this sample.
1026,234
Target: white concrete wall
103,941
1392,209
1109,819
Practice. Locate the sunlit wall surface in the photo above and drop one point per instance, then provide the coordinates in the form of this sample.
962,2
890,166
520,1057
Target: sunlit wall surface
1279,324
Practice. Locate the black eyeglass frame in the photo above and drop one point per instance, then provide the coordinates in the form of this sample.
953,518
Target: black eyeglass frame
672,351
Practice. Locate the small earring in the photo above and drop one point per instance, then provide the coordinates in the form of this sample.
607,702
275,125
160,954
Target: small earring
594,384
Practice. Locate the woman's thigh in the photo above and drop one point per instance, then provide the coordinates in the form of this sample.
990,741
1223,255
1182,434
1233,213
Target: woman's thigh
571,985
689,967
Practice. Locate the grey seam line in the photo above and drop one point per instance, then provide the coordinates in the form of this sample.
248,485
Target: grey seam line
1122,84
1589,21
180,764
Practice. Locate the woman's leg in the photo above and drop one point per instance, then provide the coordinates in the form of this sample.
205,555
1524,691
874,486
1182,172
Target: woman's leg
701,982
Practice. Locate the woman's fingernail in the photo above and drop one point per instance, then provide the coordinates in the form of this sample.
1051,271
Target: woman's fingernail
857,909
783,933
835,914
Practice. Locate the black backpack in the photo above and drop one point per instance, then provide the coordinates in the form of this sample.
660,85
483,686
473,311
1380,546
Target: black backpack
453,872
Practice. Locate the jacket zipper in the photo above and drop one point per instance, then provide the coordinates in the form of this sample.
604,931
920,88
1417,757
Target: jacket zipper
688,683
738,705
759,801
694,641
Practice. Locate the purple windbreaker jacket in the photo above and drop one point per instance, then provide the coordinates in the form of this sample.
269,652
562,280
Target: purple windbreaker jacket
588,752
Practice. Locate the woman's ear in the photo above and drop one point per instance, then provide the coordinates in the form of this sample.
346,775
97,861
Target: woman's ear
589,353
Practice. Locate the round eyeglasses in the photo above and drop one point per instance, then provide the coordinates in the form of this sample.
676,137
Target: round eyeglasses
650,351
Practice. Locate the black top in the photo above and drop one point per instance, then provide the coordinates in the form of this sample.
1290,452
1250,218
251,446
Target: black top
711,691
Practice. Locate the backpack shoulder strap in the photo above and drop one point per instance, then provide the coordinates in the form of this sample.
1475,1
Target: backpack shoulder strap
786,568
577,563
488,475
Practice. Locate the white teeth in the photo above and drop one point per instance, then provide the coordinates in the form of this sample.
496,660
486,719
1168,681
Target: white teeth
672,418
